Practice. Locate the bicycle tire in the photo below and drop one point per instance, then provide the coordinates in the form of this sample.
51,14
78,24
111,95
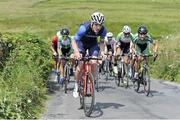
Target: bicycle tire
137,83
128,74
122,74
66,73
117,81
81,91
97,79
106,69
125,75
89,82
146,82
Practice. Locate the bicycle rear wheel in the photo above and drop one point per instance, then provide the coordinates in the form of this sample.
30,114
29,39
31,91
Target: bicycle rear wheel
106,64
89,95
146,82
81,92
66,73
117,80
137,83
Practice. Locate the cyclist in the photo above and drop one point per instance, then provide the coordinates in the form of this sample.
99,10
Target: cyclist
54,46
86,39
110,43
64,49
141,46
124,43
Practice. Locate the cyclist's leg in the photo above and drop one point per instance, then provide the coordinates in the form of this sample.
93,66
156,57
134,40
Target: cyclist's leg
78,68
93,51
146,52
137,61
118,53
110,58
116,58
55,63
72,61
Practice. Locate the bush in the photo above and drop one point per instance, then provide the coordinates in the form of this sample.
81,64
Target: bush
22,84
168,64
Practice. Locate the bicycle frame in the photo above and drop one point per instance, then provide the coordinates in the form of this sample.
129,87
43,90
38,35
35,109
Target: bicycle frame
86,69
144,75
86,85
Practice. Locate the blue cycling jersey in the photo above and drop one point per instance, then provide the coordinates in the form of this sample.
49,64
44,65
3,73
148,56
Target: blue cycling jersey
87,36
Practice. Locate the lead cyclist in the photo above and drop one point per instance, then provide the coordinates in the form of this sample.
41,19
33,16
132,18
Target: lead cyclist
86,39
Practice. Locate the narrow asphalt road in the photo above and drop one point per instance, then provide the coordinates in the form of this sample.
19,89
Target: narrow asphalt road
112,102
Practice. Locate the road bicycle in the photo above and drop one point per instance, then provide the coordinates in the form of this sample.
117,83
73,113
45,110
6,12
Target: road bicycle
107,66
67,72
86,85
124,70
143,76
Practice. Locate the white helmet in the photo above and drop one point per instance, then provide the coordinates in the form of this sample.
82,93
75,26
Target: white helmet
126,29
97,17
58,33
109,35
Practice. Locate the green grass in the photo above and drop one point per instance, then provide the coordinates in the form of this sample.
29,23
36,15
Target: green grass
45,17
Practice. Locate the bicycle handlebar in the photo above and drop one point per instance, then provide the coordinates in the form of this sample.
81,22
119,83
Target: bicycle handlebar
65,58
89,58
155,56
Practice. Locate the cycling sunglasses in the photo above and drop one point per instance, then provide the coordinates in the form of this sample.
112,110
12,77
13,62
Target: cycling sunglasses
142,33
64,36
96,24
126,33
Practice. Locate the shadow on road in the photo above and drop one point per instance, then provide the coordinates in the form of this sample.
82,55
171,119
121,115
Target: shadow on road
51,84
97,112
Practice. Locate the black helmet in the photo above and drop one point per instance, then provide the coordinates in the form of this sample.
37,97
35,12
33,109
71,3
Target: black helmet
142,30
64,31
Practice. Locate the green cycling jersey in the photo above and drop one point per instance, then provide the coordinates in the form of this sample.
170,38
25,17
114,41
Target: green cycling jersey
142,46
65,43
123,38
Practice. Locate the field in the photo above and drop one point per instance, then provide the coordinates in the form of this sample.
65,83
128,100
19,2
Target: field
45,17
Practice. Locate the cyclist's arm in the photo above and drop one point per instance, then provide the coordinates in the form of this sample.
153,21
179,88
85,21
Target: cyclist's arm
105,46
52,48
77,37
132,47
54,41
155,47
59,49
102,41
114,45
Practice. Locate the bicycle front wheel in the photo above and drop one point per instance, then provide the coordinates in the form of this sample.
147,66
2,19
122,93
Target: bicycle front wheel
106,69
125,76
146,82
89,95
66,73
